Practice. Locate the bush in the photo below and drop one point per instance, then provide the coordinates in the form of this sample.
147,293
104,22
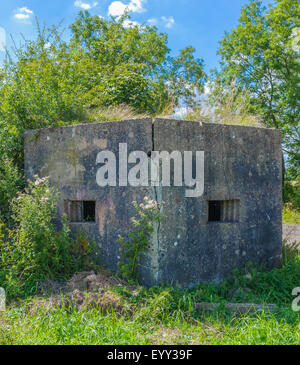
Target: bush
291,194
34,250
139,238
290,215
11,181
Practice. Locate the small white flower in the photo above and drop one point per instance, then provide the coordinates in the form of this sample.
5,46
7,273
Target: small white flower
44,199
151,204
40,181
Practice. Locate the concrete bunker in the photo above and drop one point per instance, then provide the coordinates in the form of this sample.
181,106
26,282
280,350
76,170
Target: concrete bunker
236,220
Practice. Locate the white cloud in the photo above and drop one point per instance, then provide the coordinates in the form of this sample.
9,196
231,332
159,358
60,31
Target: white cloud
136,6
2,39
152,21
118,8
23,13
85,6
168,22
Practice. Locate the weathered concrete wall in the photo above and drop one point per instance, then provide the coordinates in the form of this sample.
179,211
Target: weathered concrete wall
68,156
240,163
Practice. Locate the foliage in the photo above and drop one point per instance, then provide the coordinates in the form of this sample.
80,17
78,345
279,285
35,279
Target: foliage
186,78
290,252
112,43
290,215
137,64
11,182
262,55
54,80
166,315
115,113
92,327
105,71
41,88
291,193
139,238
225,105
34,249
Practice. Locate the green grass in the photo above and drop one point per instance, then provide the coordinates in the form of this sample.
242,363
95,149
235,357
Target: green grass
90,327
290,216
166,315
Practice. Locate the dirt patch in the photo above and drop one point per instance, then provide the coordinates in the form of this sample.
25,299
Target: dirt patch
85,290
51,287
89,280
106,302
83,281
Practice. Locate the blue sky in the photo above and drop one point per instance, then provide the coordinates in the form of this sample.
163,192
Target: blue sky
198,23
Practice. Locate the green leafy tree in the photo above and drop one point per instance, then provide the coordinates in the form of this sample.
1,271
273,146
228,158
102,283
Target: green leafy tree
111,43
51,81
186,78
11,181
41,87
135,64
262,55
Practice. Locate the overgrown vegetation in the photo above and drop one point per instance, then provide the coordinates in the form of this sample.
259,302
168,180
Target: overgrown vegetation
12,181
230,105
52,81
261,55
34,249
107,71
257,83
290,215
291,193
166,315
149,215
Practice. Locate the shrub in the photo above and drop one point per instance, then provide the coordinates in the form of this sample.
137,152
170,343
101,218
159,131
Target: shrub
139,238
290,215
34,249
290,252
11,182
291,194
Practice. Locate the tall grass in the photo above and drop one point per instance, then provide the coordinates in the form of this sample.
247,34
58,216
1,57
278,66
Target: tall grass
167,315
92,327
114,113
229,105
